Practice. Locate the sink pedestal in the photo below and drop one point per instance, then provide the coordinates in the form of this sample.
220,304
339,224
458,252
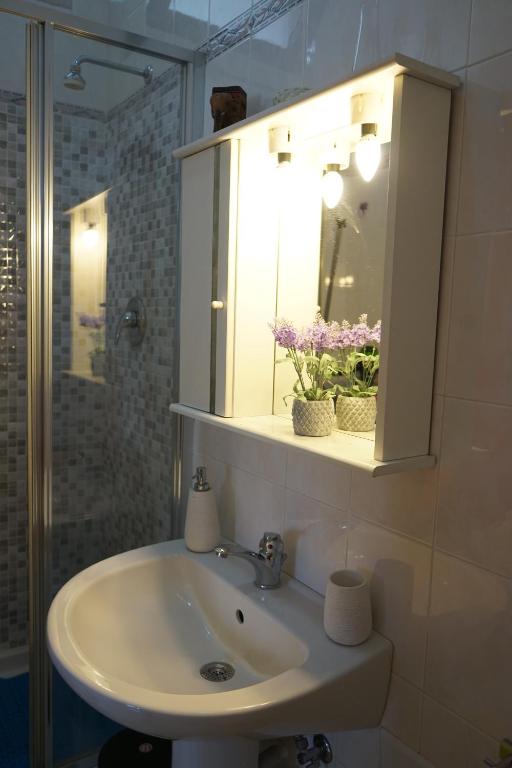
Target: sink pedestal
221,753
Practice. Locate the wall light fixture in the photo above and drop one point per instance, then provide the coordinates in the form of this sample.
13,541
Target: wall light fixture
336,160
365,109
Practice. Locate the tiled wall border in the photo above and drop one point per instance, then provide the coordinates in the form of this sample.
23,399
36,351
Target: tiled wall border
251,21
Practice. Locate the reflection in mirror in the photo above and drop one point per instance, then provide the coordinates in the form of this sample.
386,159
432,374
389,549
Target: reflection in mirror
352,247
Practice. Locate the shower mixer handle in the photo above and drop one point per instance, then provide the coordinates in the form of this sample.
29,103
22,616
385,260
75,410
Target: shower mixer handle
127,320
134,320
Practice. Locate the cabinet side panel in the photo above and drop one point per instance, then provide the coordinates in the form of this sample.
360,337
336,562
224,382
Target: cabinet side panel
411,281
197,193
227,255
256,278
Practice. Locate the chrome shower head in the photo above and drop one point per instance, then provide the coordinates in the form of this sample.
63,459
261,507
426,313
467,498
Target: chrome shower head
73,79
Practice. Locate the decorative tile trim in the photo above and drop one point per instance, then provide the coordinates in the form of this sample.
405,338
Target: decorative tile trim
75,110
12,97
248,23
66,4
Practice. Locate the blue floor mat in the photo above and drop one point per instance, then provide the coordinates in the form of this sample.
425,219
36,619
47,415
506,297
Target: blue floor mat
78,729
14,722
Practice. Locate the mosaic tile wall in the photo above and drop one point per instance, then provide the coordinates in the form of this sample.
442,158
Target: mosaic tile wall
112,486
81,488
112,440
142,262
13,494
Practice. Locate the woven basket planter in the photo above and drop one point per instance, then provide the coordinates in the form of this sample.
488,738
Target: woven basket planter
313,418
356,414
98,363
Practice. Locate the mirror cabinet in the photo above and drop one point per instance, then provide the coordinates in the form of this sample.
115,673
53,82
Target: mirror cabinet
332,203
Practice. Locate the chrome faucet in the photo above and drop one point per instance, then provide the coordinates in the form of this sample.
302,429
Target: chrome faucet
134,319
267,562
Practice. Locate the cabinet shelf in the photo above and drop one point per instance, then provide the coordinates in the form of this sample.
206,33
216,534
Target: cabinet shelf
348,449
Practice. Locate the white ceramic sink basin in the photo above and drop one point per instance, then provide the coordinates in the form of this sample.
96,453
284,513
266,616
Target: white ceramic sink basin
131,633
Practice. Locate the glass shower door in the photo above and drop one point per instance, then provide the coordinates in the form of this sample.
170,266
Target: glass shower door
14,698
117,118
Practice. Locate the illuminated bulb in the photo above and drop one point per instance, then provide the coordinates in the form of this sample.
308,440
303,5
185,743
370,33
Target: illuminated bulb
332,186
90,236
368,152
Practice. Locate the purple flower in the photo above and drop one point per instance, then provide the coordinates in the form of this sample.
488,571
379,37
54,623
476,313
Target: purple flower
375,332
357,335
91,321
319,336
322,336
285,334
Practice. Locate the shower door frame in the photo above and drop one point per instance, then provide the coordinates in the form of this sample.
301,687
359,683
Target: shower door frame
41,27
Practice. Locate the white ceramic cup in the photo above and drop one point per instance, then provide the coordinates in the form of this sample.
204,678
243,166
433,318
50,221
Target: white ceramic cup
347,608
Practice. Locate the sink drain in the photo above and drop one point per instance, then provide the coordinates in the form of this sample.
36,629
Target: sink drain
217,671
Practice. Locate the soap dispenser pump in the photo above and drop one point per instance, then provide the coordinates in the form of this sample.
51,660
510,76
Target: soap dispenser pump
202,531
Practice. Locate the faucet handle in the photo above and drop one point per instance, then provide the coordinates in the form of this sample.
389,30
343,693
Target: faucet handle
272,546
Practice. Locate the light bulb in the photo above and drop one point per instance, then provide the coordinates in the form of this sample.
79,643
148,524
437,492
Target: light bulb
90,236
332,187
368,155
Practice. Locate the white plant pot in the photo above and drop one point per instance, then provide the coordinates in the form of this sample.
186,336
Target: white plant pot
313,418
356,414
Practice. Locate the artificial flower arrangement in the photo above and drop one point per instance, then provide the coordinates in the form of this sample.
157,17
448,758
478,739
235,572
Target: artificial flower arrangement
322,352
98,353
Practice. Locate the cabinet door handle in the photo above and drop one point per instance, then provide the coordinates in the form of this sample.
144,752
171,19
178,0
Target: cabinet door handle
217,304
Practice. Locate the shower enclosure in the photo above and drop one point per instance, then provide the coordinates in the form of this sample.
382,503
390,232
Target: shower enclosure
89,196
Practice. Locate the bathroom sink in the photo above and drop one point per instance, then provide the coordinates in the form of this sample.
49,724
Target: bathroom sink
132,634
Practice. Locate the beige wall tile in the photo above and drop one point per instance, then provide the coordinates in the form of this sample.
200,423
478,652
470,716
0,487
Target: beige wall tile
277,58
444,736
399,574
316,538
435,31
248,453
480,344
358,749
394,754
480,748
403,712
248,506
334,47
321,479
404,502
491,29
211,441
448,741
470,636
259,457
485,199
475,492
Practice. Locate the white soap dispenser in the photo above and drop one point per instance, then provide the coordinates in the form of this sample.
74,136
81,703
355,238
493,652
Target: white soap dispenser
202,530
